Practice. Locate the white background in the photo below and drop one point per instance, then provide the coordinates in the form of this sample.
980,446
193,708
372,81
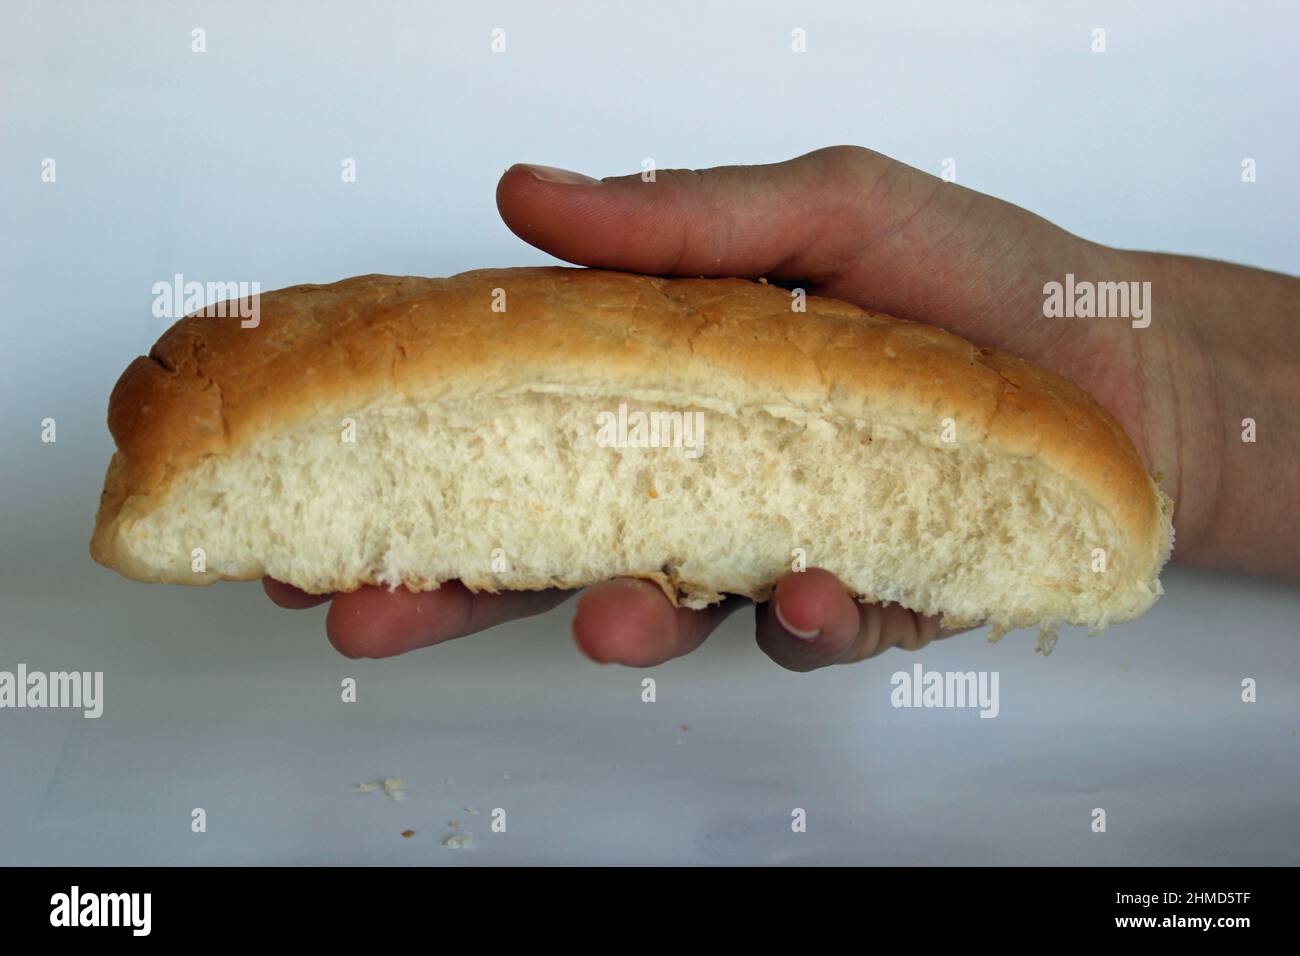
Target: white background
226,165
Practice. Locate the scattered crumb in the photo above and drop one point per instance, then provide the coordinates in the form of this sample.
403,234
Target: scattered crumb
472,812
408,833
653,493
458,841
453,823
392,786
684,728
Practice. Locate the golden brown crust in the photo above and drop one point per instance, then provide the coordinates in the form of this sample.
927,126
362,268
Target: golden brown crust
210,386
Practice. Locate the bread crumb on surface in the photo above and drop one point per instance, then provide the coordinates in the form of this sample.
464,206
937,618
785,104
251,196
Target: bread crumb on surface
453,823
471,811
458,841
408,833
394,788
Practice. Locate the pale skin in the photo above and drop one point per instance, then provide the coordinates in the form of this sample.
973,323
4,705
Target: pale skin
1223,345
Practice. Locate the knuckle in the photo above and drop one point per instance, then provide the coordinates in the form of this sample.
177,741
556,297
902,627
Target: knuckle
849,159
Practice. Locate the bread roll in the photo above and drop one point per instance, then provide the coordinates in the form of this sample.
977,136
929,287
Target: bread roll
556,427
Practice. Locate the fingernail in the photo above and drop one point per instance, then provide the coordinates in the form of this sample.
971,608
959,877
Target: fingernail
553,174
802,635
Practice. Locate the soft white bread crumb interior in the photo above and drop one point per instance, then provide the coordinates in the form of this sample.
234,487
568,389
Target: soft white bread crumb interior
513,491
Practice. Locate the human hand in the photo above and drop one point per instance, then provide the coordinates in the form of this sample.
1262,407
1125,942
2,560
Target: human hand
853,224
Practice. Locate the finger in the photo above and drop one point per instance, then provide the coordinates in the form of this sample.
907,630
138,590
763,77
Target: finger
630,621
729,220
286,595
812,622
376,622
888,625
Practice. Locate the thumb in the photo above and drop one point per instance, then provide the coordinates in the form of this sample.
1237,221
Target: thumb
847,221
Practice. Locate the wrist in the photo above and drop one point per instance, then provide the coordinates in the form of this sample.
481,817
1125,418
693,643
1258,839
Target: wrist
1219,395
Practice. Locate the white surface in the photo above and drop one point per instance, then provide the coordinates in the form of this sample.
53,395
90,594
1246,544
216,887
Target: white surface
226,165
236,709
